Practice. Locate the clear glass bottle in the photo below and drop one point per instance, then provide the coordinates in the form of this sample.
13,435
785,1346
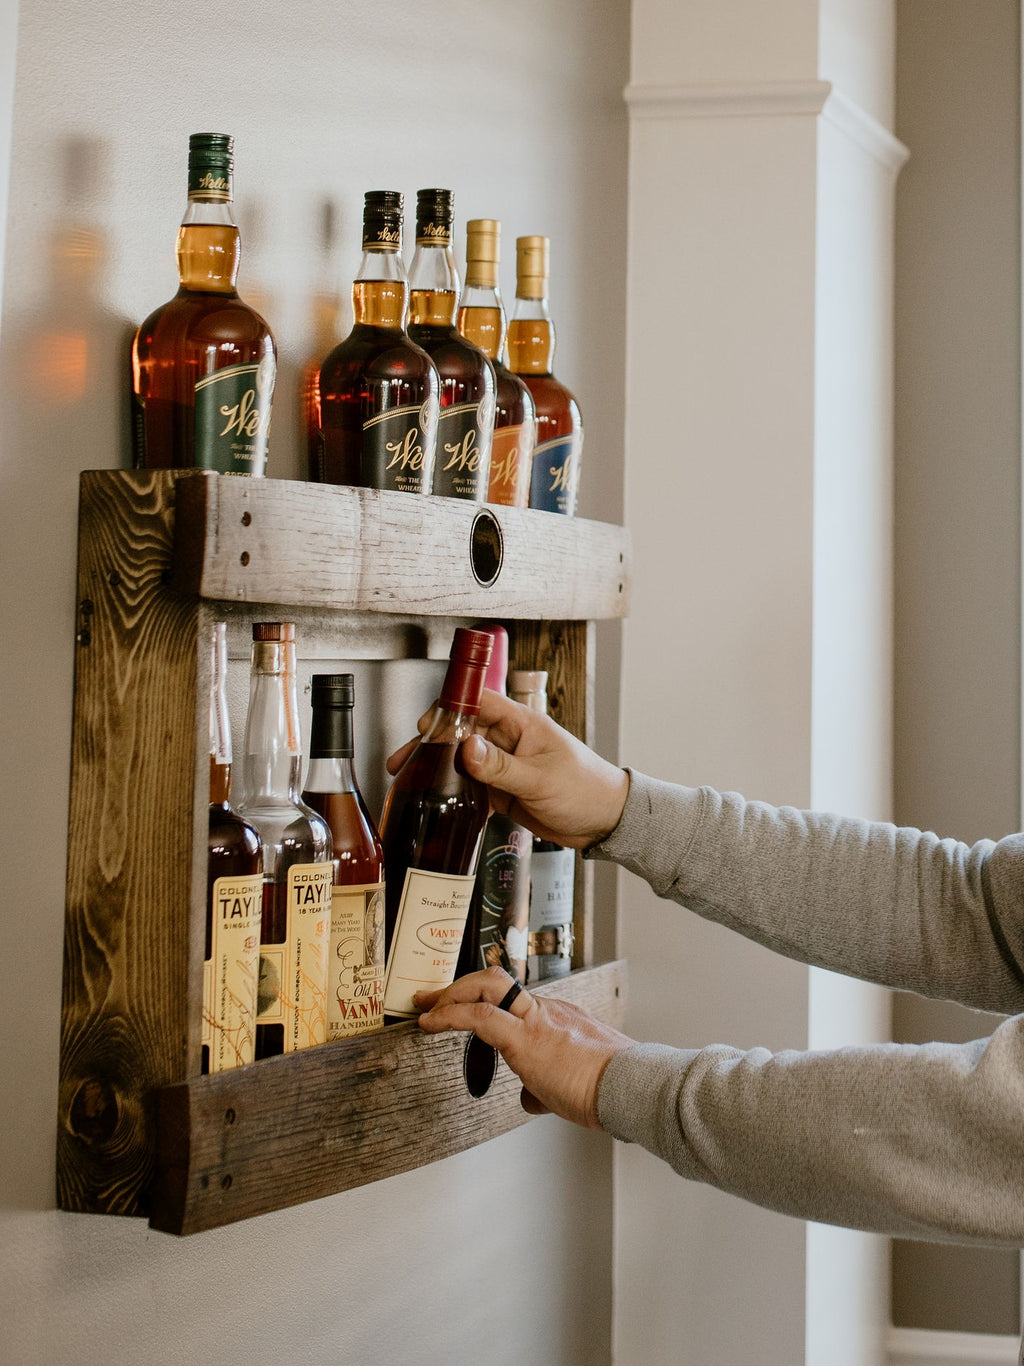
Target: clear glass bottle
531,352
431,828
231,962
481,320
466,420
499,914
204,363
552,869
297,870
379,392
355,993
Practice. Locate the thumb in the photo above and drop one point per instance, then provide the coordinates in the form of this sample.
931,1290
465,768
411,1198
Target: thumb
491,765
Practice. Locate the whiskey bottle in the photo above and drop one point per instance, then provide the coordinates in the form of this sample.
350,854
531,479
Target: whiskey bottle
552,869
234,893
499,914
431,827
481,320
378,392
297,871
204,363
355,991
466,420
531,350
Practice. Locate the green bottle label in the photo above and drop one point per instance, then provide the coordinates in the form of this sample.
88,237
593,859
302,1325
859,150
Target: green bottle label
463,460
398,448
233,418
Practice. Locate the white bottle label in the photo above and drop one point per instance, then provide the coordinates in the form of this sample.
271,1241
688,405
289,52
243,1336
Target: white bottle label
552,874
429,927
231,972
355,1004
293,975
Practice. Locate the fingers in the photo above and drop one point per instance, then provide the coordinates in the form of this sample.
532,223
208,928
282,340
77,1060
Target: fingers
395,761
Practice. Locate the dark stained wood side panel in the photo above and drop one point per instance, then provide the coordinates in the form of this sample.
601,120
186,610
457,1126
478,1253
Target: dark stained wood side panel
132,826
297,1128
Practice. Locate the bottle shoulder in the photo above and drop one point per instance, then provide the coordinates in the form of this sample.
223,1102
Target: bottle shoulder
200,318
377,352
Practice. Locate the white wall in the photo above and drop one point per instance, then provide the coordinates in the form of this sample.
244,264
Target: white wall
504,1253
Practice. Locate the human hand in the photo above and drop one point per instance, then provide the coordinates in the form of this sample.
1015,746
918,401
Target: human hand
557,1050
539,774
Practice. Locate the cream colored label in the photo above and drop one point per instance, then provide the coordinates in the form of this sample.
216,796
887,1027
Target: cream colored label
294,974
429,927
355,993
231,973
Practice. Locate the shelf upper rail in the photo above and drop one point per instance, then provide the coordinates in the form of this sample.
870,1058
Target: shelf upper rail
364,550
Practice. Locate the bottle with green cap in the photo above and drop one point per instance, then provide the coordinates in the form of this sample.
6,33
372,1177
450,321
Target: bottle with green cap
204,363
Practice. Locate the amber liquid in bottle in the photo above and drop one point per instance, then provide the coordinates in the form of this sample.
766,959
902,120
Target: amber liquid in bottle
431,828
511,455
203,331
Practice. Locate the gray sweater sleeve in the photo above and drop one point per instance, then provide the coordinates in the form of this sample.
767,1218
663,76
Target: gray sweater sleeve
917,1141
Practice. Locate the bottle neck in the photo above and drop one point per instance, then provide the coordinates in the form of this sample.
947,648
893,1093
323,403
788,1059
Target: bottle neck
273,745
208,247
380,291
449,725
433,285
481,318
531,338
220,721
330,775
220,782
331,733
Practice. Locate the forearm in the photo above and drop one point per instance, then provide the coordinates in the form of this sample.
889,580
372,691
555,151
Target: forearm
910,1141
870,899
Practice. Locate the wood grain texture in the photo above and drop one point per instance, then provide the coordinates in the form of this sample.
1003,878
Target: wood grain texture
132,830
277,541
298,1128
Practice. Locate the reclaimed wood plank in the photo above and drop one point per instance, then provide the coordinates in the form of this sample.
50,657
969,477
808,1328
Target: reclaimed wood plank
279,541
298,1128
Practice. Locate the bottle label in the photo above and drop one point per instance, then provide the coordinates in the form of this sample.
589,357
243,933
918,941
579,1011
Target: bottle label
293,975
429,927
355,993
502,900
555,473
463,458
552,876
511,461
232,417
398,448
231,973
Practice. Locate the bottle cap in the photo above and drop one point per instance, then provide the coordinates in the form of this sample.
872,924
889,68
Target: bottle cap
464,682
273,630
435,210
483,252
532,267
211,160
333,690
382,220
497,670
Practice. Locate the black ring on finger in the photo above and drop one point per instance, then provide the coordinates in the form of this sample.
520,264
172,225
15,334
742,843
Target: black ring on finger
506,1001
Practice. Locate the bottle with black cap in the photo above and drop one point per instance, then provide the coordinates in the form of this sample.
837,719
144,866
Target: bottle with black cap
466,419
204,363
378,392
431,828
355,977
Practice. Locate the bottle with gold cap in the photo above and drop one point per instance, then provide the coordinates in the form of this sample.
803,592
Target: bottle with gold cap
295,925
466,418
481,319
531,350
378,392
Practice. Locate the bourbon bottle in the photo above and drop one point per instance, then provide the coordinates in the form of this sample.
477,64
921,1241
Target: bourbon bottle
481,320
379,392
234,895
204,363
466,419
531,350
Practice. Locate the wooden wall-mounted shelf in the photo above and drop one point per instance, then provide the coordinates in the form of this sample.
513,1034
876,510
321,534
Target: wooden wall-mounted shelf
364,574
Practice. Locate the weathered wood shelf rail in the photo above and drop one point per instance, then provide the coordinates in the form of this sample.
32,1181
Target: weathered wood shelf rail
365,575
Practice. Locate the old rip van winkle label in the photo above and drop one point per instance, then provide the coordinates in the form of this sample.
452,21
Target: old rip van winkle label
355,987
463,457
231,972
398,448
555,472
232,418
293,975
429,927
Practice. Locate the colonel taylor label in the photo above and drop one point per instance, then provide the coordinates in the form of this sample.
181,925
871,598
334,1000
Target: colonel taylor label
232,417
293,975
230,973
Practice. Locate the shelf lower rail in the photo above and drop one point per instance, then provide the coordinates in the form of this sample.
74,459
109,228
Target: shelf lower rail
311,1124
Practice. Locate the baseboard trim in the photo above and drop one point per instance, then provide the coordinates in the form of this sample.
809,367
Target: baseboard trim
915,1347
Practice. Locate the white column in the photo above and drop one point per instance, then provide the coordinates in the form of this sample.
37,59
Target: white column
757,653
